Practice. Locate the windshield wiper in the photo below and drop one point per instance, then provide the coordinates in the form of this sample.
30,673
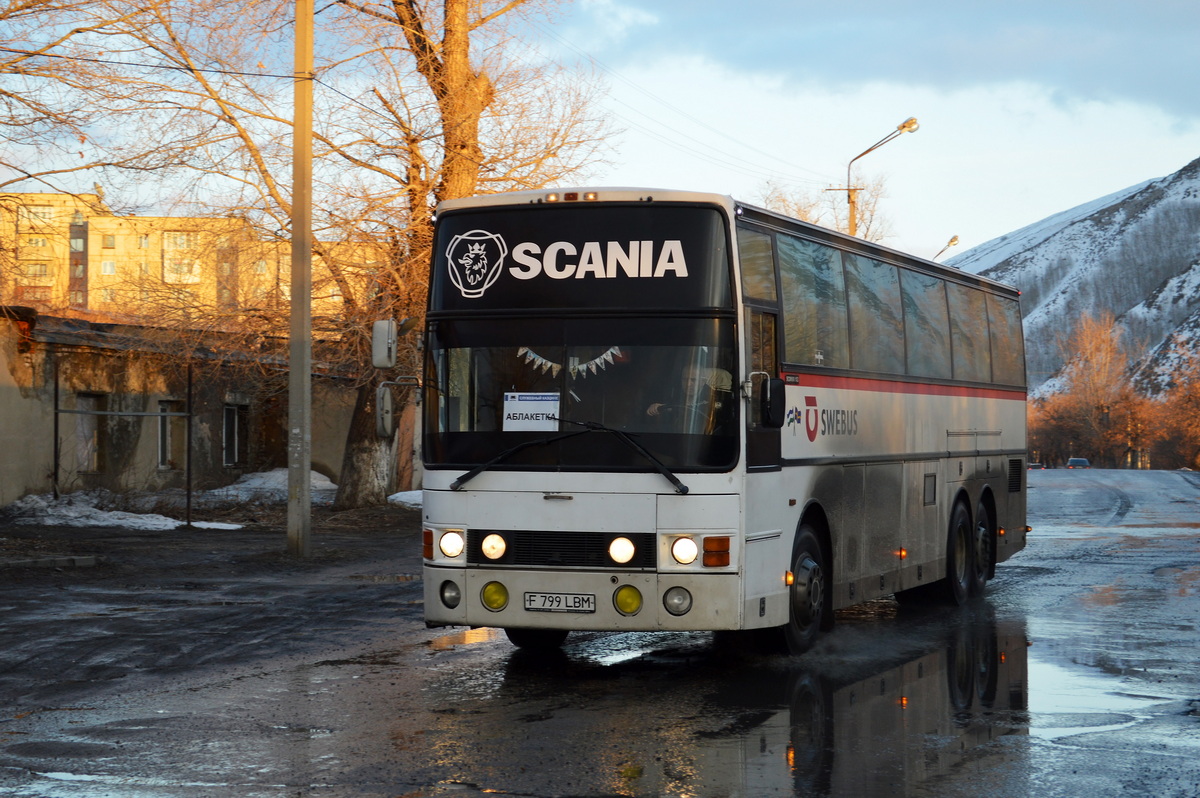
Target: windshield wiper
590,426
507,453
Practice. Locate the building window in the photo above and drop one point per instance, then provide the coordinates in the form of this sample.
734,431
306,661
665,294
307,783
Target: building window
37,213
88,432
143,242
179,240
78,269
35,242
108,267
36,269
235,440
33,293
143,267
77,244
76,298
172,435
260,267
108,241
181,270
108,295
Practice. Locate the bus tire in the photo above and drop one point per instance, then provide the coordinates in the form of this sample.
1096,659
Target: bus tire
808,596
536,639
960,556
982,549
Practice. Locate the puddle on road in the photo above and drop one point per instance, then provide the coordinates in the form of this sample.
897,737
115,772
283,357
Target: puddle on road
1064,702
468,637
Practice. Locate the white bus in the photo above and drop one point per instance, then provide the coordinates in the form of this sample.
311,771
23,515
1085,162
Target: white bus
666,410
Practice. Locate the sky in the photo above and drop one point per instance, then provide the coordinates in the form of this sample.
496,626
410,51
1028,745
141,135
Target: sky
1026,108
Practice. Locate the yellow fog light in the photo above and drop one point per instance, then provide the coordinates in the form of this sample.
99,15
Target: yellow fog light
621,550
494,547
685,551
451,543
494,596
628,600
677,600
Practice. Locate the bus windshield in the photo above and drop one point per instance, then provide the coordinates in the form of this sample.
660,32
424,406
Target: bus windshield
667,383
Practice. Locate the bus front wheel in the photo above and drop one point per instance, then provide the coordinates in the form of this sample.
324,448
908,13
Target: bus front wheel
807,596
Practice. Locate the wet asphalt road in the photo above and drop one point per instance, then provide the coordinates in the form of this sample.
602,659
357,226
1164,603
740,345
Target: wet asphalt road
217,667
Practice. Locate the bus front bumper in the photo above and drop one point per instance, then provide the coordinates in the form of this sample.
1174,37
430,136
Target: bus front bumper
577,601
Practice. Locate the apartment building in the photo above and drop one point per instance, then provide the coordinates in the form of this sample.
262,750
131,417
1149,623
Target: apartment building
68,253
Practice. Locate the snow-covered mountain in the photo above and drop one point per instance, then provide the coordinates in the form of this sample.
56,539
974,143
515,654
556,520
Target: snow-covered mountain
1134,254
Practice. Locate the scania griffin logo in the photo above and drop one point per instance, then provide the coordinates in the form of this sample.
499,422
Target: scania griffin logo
475,260
817,421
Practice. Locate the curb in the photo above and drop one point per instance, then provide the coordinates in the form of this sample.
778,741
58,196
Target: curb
51,562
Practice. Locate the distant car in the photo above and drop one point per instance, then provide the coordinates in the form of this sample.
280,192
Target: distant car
1036,467
1078,462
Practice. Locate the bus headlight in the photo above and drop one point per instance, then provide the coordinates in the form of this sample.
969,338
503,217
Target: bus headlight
494,596
621,550
677,601
685,551
451,542
451,594
628,600
494,546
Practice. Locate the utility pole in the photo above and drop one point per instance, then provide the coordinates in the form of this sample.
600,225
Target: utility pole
300,328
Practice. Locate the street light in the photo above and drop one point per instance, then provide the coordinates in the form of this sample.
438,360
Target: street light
953,242
907,126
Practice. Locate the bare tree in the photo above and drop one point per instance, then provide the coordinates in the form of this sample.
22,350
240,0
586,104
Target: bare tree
416,103
830,209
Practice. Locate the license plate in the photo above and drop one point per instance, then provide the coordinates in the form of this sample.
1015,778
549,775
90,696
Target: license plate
560,602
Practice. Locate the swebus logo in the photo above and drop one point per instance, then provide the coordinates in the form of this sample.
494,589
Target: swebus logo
819,421
476,260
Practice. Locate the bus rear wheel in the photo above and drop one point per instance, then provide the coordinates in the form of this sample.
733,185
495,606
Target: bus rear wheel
960,556
536,639
981,559
808,597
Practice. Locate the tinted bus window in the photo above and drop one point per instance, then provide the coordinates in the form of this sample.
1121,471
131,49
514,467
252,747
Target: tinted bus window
758,265
969,333
814,304
926,325
876,324
1008,350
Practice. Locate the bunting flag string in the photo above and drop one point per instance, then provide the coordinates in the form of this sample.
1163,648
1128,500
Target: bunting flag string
576,367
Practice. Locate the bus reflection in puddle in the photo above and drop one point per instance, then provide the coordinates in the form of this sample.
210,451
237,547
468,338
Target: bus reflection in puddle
882,733
717,722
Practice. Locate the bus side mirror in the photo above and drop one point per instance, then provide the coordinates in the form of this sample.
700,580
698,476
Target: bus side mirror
774,404
383,344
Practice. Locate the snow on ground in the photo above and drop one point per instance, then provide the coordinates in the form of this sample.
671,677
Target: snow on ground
96,507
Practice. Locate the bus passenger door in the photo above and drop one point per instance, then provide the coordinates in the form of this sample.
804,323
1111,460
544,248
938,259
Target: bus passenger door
763,447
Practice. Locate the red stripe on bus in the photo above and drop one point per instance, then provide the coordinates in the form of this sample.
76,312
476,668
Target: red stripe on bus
890,386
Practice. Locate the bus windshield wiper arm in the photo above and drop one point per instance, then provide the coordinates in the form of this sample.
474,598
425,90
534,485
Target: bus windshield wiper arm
624,437
507,453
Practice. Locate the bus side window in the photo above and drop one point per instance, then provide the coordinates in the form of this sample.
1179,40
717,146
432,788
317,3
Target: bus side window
1008,343
758,265
876,319
814,304
926,324
969,333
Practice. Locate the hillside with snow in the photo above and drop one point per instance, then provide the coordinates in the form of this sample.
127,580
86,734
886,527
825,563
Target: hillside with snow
1134,254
